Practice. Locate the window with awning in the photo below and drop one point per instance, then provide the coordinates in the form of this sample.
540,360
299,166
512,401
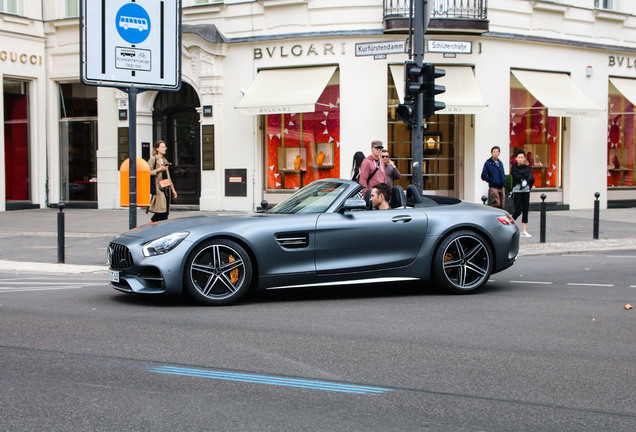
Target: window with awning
557,92
300,110
285,91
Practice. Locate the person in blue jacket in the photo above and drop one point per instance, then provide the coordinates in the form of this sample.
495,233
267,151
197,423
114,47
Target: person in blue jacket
493,173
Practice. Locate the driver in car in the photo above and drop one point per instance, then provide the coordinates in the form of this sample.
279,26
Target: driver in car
380,194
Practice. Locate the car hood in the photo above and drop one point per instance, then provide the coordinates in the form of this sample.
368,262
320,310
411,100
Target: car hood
213,222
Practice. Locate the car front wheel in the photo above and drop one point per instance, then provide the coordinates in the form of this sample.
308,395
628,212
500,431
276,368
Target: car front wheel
463,262
218,272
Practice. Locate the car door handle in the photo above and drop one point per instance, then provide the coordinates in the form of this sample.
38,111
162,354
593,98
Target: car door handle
402,219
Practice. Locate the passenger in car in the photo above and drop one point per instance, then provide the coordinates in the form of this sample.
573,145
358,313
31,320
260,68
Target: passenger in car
380,194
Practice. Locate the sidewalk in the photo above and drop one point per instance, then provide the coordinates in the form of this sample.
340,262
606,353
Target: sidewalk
29,237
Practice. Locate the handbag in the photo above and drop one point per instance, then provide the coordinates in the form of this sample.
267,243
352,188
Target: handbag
509,204
164,184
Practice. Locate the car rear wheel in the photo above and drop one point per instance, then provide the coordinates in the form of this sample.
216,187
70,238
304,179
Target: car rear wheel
218,272
463,262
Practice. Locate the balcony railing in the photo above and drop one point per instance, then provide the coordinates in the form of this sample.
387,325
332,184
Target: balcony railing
446,15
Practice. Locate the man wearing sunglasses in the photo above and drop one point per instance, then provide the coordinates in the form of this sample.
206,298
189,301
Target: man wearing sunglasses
390,170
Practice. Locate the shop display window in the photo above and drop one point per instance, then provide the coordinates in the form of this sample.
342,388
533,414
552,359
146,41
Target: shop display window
620,142
304,147
539,135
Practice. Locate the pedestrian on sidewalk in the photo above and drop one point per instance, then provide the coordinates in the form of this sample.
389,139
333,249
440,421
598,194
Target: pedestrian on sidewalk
390,170
493,173
160,201
522,181
372,170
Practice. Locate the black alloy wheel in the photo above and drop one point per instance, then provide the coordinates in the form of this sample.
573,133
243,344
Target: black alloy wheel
218,272
463,262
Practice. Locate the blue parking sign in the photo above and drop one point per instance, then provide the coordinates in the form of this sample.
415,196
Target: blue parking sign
133,23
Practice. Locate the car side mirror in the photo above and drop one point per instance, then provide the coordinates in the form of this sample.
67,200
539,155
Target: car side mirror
355,204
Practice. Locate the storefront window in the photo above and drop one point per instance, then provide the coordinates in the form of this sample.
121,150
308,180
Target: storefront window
438,165
78,142
16,138
304,147
533,131
620,141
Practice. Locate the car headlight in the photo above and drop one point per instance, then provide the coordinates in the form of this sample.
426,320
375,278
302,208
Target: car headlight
163,244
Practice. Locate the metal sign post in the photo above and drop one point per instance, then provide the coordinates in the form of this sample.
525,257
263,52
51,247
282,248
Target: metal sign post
134,46
419,22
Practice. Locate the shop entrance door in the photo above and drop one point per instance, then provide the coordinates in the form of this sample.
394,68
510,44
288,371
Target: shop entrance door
16,140
183,151
440,155
176,121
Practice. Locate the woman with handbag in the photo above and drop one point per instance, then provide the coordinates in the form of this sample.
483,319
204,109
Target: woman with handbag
160,177
522,181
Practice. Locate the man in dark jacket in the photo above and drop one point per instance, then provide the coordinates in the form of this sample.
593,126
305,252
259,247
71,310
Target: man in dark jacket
494,174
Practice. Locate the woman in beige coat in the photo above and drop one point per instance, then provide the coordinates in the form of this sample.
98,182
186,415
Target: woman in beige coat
160,202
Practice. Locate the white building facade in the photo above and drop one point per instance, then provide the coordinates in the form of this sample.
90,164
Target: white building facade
278,93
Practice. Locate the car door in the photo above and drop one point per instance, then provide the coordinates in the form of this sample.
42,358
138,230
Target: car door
283,244
368,239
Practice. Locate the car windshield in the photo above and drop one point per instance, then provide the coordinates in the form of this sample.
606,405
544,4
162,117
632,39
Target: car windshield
314,198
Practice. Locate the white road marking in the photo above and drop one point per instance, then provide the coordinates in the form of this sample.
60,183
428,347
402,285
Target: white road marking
28,289
532,282
621,256
589,284
2,282
21,286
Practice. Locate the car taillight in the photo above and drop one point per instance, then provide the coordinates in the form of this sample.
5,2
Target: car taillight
506,220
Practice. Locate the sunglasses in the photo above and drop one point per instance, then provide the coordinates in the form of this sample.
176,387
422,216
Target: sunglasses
384,157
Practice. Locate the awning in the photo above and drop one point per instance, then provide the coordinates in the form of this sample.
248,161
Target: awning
558,93
626,87
278,91
462,95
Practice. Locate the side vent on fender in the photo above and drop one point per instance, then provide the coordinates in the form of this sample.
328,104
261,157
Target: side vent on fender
293,240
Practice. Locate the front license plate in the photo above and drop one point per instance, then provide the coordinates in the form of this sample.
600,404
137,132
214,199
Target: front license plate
113,276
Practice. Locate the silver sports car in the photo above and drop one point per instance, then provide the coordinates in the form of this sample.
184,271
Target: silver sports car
324,234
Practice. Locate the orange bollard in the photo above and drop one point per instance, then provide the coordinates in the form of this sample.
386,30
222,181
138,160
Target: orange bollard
143,183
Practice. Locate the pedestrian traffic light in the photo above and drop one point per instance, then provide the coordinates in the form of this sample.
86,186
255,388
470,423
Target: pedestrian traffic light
430,89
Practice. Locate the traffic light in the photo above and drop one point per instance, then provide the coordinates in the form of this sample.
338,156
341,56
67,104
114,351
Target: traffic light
430,89
414,85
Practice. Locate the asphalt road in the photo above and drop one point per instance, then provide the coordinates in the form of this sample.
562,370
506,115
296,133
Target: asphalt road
548,346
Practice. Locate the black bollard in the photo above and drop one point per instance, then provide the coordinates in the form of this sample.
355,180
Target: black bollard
542,219
60,233
484,198
596,215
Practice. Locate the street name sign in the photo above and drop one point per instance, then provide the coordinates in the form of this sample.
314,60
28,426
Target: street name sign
449,46
128,43
380,48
